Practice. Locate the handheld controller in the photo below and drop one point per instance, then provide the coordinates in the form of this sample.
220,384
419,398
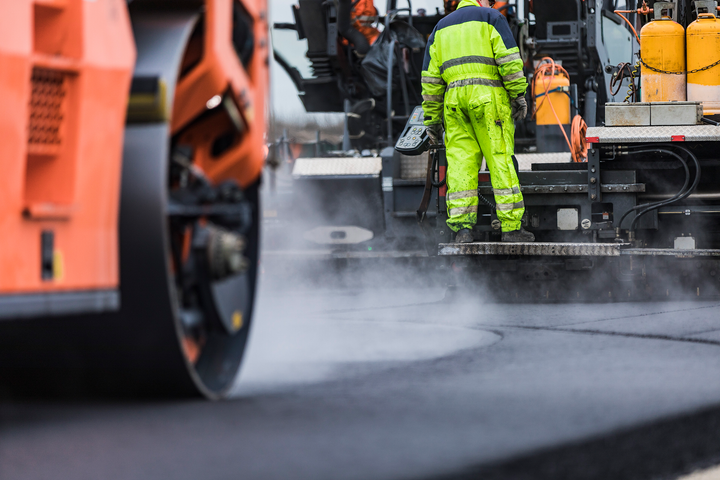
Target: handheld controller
414,139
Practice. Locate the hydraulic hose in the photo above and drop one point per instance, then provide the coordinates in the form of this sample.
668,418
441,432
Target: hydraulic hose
645,208
682,196
487,202
684,192
346,29
436,170
674,197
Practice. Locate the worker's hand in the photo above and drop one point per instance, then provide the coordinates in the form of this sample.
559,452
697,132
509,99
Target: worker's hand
519,108
435,133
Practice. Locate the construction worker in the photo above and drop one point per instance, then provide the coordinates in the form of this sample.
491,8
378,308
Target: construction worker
473,80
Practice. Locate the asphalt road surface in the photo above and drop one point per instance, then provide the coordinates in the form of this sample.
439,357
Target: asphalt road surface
384,382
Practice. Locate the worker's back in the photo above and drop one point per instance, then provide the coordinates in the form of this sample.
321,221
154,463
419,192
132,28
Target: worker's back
471,58
468,41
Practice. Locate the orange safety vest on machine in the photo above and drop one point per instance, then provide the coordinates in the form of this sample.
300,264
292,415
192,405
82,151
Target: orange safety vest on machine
363,15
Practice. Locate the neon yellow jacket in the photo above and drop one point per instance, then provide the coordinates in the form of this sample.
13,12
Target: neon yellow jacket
472,47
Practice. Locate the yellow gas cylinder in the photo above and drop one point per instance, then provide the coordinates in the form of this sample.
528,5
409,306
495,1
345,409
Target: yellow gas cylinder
551,78
559,85
662,50
703,50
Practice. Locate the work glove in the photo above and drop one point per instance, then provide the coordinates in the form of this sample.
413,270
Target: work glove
519,108
435,132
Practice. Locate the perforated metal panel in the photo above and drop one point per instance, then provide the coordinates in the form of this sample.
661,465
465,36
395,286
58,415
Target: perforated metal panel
47,103
531,249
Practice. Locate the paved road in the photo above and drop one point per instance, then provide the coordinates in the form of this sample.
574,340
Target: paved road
390,383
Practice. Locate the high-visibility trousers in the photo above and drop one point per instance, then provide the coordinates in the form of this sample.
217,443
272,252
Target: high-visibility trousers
473,131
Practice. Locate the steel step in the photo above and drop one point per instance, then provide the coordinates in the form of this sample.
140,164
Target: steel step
532,249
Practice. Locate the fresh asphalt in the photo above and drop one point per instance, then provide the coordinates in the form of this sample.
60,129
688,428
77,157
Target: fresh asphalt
382,382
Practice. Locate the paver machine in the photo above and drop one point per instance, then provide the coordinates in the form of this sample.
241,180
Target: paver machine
640,198
643,208
367,197
133,137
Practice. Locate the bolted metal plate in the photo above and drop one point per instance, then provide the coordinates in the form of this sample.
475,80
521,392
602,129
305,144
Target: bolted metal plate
568,218
530,189
341,166
692,133
413,167
532,249
684,243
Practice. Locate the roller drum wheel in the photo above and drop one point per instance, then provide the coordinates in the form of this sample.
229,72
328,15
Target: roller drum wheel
141,350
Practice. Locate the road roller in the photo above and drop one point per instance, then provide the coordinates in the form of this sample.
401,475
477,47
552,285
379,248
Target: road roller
133,145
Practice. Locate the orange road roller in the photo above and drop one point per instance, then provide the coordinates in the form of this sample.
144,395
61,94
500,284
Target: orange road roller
132,147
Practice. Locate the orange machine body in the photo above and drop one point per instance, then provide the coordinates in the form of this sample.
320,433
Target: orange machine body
498,5
215,78
65,71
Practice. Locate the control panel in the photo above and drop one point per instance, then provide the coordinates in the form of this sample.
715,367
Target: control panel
414,139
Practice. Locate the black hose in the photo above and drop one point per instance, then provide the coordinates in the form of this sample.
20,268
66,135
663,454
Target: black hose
684,191
673,198
710,122
487,202
684,195
346,29
436,171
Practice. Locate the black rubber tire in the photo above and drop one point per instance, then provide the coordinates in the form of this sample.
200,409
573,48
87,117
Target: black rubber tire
136,351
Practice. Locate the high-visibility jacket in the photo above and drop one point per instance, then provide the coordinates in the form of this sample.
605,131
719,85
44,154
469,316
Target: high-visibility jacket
472,46
472,70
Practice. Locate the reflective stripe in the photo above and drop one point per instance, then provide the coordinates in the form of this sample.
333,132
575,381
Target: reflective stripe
432,98
513,76
508,58
469,59
436,81
475,81
454,212
506,191
463,194
510,206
